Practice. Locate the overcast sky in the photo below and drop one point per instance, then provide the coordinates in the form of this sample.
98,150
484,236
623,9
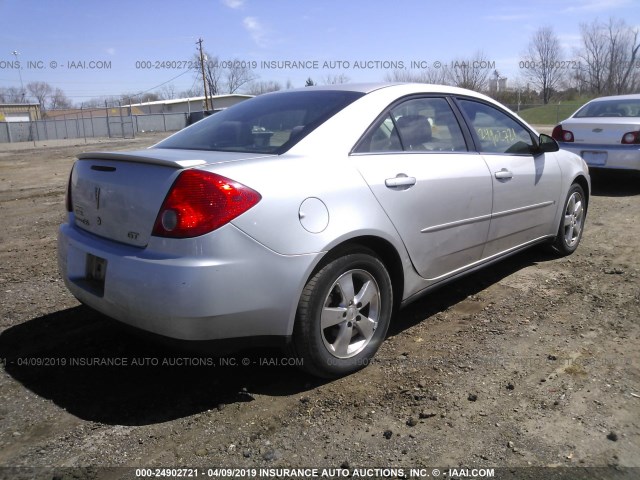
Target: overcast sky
96,48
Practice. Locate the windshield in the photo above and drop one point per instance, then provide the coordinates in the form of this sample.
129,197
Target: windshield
270,123
610,108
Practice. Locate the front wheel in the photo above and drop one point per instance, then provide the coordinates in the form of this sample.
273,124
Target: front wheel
343,315
572,221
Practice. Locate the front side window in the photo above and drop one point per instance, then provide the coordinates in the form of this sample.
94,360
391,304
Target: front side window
270,123
420,124
495,130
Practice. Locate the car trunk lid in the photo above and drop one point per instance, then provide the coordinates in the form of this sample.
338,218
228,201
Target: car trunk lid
117,195
600,130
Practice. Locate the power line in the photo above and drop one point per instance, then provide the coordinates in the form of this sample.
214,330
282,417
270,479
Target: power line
132,95
163,83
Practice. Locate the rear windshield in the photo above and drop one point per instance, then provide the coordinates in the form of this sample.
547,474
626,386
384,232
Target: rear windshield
610,108
270,123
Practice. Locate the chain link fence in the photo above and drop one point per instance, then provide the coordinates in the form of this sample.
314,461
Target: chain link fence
81,126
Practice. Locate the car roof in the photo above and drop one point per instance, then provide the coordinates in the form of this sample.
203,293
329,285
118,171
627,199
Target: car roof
635,96
347,87
406,88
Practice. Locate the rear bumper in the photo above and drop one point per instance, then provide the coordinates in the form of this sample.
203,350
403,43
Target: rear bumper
218,286
624,157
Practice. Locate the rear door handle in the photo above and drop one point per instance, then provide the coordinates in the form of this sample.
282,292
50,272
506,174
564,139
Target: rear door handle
504,174
401,180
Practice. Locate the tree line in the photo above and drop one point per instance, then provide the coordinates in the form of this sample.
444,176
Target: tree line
40,92
606,63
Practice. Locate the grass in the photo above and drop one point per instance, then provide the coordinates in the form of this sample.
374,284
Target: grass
552,113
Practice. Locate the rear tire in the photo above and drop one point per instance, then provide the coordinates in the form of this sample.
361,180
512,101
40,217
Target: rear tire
343,315
572,221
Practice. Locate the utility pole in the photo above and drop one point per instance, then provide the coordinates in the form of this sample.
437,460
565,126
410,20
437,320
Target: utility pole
204,78
22,92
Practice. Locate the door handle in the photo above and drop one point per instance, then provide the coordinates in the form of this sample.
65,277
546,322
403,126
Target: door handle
504,174
401,180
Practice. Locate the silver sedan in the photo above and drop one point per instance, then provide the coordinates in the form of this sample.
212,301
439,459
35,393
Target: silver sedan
309,216
605,132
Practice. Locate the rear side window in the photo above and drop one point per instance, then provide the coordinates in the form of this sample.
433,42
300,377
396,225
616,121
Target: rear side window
496,131
418,124
270,123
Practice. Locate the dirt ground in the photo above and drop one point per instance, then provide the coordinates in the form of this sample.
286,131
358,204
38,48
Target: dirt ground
533,363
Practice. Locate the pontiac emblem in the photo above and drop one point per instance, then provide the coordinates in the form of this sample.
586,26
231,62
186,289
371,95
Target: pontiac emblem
97,197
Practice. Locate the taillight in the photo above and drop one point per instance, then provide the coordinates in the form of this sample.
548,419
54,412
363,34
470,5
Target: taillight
631,138
561,135
199,202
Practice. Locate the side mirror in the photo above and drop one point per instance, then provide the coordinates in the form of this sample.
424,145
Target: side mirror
546,144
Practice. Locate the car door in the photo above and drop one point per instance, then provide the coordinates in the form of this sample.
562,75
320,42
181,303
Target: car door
437,194
525,186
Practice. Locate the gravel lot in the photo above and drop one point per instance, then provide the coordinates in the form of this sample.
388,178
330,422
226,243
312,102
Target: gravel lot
532,363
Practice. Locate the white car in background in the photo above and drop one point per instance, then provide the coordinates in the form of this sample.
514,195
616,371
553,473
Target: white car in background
605,132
